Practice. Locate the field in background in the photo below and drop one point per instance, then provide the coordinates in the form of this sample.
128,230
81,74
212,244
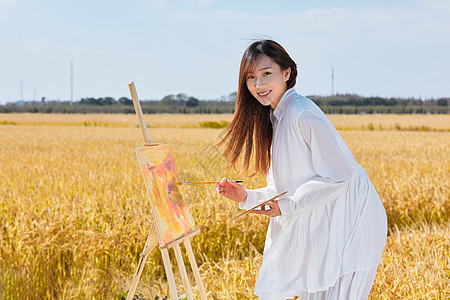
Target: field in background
342,122
74,212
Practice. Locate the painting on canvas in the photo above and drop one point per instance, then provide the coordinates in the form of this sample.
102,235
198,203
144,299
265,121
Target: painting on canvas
171,215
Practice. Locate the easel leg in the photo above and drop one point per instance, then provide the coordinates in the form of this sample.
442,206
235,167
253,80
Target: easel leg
198,279
149,245
172,287
182,268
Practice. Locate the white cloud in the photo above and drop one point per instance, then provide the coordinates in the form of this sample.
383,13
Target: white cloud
440,5
170,4
198,3
385,45
4,4
41,44
219,15
161,4
420,21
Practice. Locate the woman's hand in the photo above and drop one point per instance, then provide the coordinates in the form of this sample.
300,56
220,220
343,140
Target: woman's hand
273,211
232,190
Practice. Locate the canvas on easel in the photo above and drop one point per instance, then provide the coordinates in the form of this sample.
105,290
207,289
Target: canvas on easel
171,216
172,223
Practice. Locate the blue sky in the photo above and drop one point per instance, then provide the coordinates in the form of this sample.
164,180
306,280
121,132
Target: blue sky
377,48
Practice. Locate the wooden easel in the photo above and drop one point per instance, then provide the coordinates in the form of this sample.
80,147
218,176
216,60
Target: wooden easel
153,238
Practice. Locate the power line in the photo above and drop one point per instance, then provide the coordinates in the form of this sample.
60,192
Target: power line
71,82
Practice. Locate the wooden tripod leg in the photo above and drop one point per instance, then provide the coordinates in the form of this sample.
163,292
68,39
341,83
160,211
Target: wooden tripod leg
149,245
169,273
198,279
182,268
139,114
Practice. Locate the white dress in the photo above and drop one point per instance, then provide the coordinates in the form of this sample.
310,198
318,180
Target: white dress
332,221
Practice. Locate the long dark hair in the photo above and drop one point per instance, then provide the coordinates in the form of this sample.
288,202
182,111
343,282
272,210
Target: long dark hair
251,127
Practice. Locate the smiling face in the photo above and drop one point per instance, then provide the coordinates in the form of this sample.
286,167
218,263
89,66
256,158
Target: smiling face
266,81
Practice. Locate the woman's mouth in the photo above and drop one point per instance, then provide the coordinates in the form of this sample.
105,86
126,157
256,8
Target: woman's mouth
263,94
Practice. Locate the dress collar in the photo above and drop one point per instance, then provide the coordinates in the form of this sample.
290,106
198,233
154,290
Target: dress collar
281,108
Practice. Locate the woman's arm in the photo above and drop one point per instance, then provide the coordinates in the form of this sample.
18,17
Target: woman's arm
264,193
331,160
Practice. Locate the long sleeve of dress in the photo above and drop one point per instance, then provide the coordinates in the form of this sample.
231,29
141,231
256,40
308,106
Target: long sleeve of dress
260,194
331,160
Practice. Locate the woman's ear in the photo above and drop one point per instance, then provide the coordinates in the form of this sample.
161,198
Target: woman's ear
287,74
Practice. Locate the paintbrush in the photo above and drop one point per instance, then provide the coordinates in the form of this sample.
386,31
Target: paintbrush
202,182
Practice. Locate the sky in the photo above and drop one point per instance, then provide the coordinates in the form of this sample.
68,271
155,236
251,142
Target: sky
396,48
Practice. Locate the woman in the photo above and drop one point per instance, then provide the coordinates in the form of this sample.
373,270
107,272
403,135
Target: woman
326,237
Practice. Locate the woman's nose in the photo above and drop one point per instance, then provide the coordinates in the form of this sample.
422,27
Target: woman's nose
258,82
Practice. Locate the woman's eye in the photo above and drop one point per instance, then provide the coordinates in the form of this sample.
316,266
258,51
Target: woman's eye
266,73
250,77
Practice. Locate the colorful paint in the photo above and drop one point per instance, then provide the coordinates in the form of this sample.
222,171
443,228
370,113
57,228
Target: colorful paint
172,217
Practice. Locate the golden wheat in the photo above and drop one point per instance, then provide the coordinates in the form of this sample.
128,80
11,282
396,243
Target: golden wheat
343,122
74,213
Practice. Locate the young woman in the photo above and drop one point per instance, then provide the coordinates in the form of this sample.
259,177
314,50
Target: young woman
327,234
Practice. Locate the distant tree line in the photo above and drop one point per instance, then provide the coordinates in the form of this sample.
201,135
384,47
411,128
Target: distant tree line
354,104
184,104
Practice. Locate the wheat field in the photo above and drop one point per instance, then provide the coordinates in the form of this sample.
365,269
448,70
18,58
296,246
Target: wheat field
74,213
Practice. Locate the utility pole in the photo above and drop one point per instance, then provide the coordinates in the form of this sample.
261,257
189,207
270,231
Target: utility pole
71,82
332,81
